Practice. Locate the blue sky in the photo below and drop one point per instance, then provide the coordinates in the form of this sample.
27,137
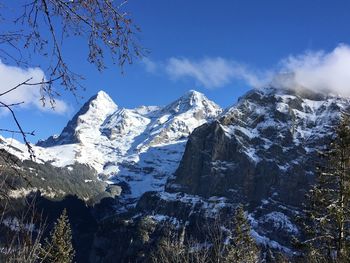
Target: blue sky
221,48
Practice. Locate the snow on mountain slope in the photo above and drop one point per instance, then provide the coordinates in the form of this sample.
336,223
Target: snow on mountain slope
84,126
153,141
302,119
263,151
137,147
180,118
266,134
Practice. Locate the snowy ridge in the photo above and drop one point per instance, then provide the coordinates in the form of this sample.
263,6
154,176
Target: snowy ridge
272,125
259,113
140,147
262,150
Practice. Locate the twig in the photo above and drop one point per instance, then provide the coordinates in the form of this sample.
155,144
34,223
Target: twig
13,131
22,132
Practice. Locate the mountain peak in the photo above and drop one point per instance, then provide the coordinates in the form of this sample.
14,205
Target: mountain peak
193,100
102,93
90,116
103,99
194,95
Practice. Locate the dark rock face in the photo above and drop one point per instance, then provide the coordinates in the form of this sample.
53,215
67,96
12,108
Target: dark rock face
262,152
207,162
254,151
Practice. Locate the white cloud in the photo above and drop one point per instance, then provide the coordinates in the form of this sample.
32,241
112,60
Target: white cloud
315,70
212,72
149,64
318,71
10,76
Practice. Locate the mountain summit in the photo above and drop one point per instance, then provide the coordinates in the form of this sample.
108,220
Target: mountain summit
193,100
86,121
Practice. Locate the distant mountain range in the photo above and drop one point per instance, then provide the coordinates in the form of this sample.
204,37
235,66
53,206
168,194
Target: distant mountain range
137,148
192,157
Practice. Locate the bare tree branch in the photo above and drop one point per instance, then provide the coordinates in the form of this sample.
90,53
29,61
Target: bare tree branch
104,23
22,132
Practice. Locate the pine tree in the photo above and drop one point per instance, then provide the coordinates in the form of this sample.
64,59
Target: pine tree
59,248
243,248
329,201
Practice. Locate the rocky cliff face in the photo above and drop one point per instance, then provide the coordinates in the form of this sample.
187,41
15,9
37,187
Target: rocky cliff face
261,152
264,146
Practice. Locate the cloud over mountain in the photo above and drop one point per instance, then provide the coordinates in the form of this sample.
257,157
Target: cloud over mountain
213,72
318,71
315,70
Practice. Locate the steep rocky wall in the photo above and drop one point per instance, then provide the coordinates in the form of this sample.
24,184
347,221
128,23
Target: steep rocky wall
265,146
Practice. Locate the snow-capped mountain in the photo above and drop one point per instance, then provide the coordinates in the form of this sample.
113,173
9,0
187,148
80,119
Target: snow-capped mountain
82,128
261,152
138,148
190,160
